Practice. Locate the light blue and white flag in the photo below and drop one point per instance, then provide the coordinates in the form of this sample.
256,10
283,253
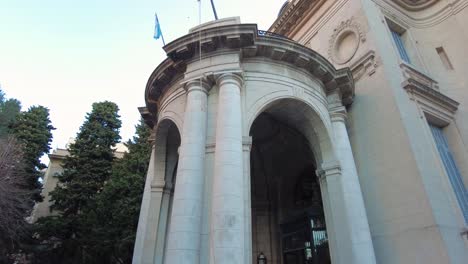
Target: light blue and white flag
157,29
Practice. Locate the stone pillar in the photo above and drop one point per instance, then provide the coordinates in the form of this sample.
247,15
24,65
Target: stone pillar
146,235
184,229
246,147
227,216
362,250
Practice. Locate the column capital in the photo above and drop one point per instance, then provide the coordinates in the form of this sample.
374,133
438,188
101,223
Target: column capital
246,144
229,77
152,139
198,84
328,169
338,114
159,185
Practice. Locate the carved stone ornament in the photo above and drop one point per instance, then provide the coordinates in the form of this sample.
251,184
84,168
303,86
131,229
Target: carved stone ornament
344,42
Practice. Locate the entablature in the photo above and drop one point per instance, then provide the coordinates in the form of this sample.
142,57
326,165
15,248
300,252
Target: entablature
248,42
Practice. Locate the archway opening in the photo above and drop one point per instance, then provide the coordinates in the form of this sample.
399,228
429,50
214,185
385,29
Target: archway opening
288,222
166,163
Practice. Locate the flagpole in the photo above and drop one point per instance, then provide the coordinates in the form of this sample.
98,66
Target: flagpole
214,10
162,38
157,30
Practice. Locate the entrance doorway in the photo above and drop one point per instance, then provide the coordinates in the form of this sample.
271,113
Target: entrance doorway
288,223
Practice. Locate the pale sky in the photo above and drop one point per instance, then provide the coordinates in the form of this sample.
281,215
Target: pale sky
66,54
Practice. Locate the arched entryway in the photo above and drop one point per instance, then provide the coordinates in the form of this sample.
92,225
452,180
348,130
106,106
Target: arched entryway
159,192
288,220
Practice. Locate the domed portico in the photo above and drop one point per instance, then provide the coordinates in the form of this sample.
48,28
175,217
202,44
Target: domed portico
249,102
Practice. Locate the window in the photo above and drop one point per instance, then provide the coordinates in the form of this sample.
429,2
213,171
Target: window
397,38
451,169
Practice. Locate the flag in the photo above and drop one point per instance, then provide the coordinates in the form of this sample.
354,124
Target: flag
157,28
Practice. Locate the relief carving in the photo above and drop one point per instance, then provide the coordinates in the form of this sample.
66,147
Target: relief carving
344,42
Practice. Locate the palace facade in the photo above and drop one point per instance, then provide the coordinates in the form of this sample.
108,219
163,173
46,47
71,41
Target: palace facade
338,136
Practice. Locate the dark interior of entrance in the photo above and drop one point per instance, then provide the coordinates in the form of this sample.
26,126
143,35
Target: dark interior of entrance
288,224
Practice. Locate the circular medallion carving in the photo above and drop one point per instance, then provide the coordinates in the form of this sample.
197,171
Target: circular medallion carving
345,42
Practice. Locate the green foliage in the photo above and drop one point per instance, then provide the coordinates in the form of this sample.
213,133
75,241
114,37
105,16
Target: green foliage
33,130
9,110
118,205
90,162
86,170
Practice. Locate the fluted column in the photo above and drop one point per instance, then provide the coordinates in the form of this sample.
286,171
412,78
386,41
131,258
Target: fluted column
361,248
227,216
184,228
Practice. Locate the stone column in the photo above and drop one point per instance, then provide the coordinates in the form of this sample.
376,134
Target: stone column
362,250
227,216
246,147
184,232
145,241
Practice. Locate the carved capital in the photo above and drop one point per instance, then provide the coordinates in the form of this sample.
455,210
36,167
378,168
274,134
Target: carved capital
328,169
199,84
152,138
338,114
229,78
246,144
159,185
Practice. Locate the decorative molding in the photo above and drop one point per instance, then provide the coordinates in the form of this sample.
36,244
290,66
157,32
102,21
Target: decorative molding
345,29
437,107
429,18
290,15
365,65
197,84
149,118
338,114
415,5
245,40
246,144
413,75
328,169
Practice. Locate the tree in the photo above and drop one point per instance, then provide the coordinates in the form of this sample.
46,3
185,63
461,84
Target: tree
13,198
115,218
86,170
9,110
33,130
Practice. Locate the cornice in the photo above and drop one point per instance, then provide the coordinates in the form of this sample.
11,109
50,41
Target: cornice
426,92
430,16
244,39
292,13
415,5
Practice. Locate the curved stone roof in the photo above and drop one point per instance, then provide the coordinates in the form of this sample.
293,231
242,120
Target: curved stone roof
246,39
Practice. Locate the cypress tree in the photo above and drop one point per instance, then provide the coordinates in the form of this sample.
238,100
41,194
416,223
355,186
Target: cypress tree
9,110
118,205
86,170
33,130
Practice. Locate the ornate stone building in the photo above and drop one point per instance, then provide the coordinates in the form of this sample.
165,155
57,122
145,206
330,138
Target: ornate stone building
340,136
51,178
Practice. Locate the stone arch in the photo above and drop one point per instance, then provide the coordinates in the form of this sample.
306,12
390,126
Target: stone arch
313,123
167,141
157,196
311,120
